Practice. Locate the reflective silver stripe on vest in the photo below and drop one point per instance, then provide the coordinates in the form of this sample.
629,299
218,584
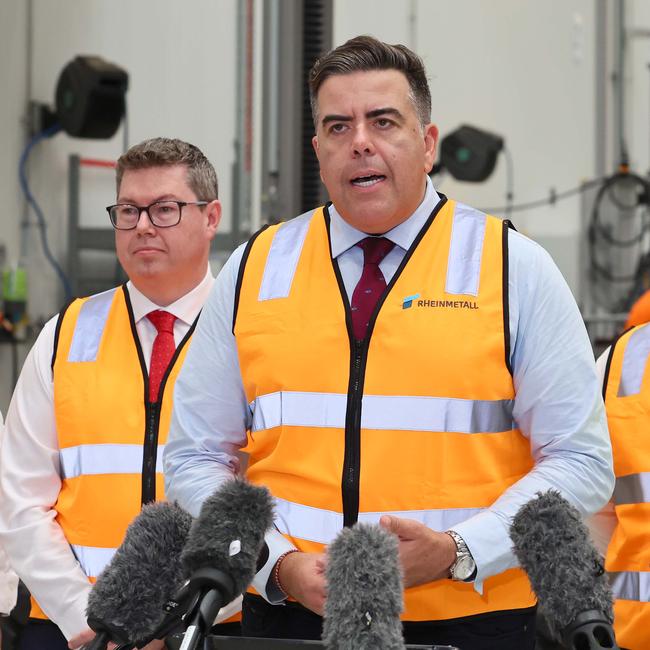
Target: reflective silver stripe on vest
635,359
322,526
283,257
631,585
90,327
634,488
93,559
465,251
383,412
104,459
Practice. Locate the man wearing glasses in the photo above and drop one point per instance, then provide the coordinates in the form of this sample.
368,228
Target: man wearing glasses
89,418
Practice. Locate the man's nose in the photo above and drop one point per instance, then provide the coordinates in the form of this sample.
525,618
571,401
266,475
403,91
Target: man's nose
362,143
144,223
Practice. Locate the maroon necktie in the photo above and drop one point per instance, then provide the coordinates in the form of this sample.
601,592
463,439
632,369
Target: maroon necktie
162,351
371,284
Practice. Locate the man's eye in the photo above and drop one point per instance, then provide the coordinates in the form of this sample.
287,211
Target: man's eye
383,122
127,210
337,128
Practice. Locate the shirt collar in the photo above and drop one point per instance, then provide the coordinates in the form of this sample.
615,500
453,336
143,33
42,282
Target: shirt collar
186,308
344,236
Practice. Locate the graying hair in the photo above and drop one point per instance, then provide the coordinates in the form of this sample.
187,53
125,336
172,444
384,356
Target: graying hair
366,53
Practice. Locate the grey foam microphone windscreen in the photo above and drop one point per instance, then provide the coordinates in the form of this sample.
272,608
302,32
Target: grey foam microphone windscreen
565,570
127,599
229,532
364,591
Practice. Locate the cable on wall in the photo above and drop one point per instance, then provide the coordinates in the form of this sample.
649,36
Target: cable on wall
31,200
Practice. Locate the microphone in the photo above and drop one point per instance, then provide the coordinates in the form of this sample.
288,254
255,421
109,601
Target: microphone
222,549
126,602
364,591
566,572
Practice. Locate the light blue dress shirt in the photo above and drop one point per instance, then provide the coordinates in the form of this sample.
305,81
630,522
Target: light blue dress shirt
558,406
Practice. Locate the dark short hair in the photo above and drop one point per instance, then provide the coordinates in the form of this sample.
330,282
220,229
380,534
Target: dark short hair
166,152
365,53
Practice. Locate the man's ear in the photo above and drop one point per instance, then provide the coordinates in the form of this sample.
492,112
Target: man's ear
430,146
213,212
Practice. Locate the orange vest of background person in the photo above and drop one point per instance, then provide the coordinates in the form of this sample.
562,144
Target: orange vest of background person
417,422
627,400
107,430
640,311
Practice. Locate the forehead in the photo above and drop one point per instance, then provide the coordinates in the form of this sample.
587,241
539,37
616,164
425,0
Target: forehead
154,181
360,92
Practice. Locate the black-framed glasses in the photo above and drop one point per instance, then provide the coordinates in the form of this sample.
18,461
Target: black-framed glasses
162,214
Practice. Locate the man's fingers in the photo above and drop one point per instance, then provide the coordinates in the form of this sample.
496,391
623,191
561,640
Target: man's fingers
82,638
403,528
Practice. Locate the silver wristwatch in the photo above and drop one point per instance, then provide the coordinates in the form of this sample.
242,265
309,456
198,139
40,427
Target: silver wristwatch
464,567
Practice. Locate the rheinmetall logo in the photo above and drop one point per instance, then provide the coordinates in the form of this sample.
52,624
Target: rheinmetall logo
408,301
412,301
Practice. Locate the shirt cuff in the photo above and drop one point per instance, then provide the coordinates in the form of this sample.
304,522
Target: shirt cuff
263,581
488,540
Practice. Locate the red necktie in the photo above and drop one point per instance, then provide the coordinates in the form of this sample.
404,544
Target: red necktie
371,284
162,351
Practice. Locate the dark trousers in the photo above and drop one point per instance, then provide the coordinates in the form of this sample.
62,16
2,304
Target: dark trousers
512,630
41,635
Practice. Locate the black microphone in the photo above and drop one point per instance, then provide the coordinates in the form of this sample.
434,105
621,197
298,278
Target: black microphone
566,572
126,602
364,591
222,549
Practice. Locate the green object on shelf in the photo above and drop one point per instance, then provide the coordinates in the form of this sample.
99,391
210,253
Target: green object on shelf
14,285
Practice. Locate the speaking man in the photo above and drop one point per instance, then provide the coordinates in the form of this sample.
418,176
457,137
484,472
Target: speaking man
393,356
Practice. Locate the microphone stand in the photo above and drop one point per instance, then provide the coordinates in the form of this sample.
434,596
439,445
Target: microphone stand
215,588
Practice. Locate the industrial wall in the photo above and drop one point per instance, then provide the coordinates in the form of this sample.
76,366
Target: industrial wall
524,69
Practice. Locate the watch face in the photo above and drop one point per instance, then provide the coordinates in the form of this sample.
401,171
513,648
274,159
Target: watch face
464,568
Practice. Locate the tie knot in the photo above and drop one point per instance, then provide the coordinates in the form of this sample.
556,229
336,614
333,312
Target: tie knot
163,321
375,249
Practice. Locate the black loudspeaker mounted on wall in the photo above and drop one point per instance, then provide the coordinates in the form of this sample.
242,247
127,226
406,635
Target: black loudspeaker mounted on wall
91,97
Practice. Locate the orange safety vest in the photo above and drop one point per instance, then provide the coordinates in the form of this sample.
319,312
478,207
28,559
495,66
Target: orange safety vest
416,421
627,401
111,439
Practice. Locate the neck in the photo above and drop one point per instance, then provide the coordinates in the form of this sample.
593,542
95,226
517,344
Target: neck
164,293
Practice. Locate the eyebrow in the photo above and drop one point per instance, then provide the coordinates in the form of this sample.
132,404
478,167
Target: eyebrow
377,112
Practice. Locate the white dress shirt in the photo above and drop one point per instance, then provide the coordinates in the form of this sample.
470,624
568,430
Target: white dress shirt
30,479
602,524
8,579
558,405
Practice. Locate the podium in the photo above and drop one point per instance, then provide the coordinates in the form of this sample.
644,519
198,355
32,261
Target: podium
252,643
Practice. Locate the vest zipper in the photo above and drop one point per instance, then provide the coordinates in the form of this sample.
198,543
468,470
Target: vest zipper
152,414
352,460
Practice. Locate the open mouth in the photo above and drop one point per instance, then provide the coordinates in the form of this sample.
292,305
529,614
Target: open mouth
367,181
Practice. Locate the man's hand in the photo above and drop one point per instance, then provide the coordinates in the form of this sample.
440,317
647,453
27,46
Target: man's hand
302,576
82,638
425,554
88,635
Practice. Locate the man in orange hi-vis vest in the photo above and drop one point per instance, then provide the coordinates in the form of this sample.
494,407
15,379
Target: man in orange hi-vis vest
626,389
88,421
397,357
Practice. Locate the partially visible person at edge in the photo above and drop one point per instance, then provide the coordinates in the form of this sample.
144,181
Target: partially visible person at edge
625,372
396,357
93,402
8,579
639,312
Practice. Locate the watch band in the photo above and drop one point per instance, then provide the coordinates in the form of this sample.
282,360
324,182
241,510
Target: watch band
464,556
